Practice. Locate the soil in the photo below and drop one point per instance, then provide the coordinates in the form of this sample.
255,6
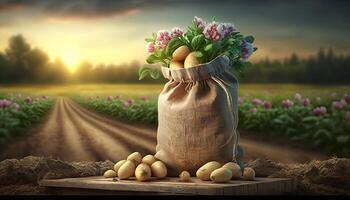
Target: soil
73,133
328,177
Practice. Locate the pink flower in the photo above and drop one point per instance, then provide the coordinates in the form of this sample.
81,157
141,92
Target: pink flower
257,102
110,98
240,100
126,104
5,103
246,50
143,98
337,105
297,96
130,101
163,37
306,102
343,102
287,103
347,98
176,32
211,32
16,106
200,22
320,111
226,29
253,110
267,105
347,116
334,94
150,47
28,100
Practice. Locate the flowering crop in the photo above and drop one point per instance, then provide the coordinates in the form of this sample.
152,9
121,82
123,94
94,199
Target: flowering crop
18,113
207,40
322,124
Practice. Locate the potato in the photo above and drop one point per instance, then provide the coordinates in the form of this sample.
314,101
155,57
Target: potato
248,174
221,175
203,173
110,174
176,65
143,172
136,157
118,164
184,176
180,53
149,159
126,170
191,60
235,169
159,169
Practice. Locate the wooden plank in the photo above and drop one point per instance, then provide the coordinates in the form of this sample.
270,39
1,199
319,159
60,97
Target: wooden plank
173,186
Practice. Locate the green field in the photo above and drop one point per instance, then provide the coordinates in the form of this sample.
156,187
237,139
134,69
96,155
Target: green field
268,91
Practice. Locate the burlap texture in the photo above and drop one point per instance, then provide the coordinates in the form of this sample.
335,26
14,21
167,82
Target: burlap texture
197,116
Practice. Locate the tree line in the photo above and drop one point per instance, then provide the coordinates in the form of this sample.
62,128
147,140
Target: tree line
21,63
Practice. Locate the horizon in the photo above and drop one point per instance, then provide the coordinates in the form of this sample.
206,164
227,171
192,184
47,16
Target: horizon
66,30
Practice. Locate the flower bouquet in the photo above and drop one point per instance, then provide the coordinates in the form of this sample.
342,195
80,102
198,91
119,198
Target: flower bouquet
197,109
201,43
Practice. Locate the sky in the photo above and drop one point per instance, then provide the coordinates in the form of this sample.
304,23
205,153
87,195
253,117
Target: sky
113,32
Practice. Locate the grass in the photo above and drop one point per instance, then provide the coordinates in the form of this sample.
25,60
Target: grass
268,91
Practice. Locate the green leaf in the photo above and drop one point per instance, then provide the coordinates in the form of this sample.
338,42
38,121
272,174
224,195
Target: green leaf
199,54
249,39
143,72
152,59
197,41
208,47
155,73
149,40
343,139
173,45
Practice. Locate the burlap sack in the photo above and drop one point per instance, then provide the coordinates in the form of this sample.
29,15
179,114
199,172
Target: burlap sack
197,117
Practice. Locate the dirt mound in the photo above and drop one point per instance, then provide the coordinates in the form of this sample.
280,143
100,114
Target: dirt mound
316,177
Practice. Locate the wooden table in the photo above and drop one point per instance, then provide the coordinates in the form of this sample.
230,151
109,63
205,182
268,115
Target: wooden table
101,185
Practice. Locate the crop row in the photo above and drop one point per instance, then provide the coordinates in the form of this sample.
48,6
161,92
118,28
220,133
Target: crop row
18,113
323,123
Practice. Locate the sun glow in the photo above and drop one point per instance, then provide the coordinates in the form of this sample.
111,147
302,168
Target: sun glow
70,59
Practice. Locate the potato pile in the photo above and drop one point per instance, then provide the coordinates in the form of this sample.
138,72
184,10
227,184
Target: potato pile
183,58
145,167
141,168
221,174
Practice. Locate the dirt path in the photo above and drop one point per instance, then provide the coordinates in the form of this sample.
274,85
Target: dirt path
74,133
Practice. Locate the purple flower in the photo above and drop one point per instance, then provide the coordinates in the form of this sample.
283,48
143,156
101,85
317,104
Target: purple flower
130,101
347,116
176,32
110,98
163,37
267,105
143,98
246,50
16,106
306,102
337,105
211,32
253,110
150,47
318,111
287,103
5,103
226,29
200,22
297,96
347,98
257,102
240,100
28,100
